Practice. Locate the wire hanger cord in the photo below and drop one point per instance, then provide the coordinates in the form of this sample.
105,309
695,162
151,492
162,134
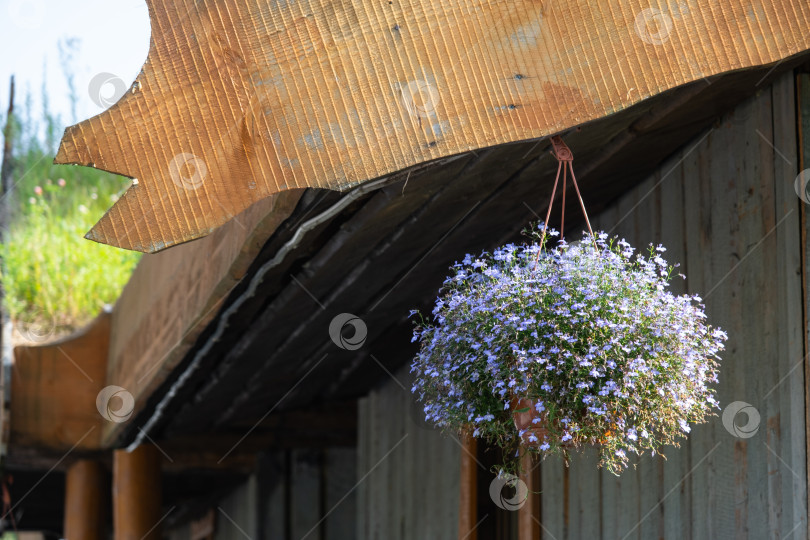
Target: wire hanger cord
565,162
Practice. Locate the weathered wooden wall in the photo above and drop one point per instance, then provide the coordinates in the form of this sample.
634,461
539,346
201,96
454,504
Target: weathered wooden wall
238,515
726,209
408,473
292,495
803,109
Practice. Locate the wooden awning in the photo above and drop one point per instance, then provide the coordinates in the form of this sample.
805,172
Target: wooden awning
238,101
54,388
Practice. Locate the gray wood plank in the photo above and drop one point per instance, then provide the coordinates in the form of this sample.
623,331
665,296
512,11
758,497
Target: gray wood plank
305,486
675,482
272,504
803,99
411,490
628,509
552,505
759,230
647,231
700,227
790,387
585,494
363,451
340,476
237,514
608,482
409,501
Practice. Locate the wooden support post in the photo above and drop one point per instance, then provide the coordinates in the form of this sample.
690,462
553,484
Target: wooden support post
136,494
529,513
86,500
468,492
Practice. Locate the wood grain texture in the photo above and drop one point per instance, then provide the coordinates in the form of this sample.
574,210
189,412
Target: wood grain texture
137,494
54,388
240,99
340,508
173,295
408,474
528,519
468,494
305,498
803,108
87,495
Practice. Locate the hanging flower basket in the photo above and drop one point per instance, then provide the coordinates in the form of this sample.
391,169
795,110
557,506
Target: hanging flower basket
548,350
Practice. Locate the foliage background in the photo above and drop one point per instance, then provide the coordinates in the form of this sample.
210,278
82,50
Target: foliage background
53,278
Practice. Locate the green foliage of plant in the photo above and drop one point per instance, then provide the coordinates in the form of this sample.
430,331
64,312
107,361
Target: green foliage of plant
53,278
587,335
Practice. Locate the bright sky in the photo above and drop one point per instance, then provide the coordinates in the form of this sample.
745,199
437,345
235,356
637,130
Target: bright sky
113,38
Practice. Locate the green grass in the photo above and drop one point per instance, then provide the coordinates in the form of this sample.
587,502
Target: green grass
53,278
